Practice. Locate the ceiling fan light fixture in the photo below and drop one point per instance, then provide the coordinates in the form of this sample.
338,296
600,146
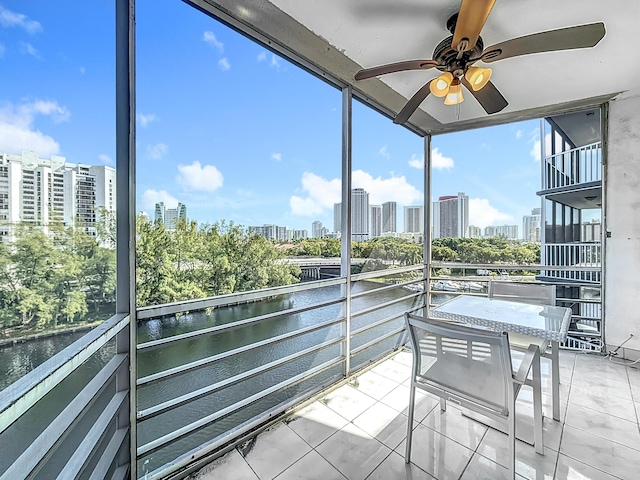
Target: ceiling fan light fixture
454,96
440,86
478,77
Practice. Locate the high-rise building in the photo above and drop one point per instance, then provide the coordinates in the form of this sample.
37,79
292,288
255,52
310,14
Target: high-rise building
413,219
375,221
531,226
475,232
506,231
359,214
389,212
316,229
451,216
337,217
591,231
170,216
41,191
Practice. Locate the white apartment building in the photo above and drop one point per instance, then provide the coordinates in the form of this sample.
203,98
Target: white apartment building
375,221
359,215
413,219
170,216
389,217
451,216
531,226
39,191
506,231
316,229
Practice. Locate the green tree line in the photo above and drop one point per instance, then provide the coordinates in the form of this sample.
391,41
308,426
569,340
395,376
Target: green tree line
404,252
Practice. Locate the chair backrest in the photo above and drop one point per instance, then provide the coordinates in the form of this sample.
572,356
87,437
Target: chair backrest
462,363
533,293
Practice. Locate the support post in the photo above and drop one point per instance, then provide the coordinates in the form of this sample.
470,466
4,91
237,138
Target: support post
345,221
426,237
126,341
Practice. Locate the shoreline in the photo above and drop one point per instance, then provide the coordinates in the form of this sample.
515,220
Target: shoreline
9,342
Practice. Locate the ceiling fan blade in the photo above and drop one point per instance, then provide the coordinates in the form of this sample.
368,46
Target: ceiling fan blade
413,104
395,67
581,36
471,18
489,97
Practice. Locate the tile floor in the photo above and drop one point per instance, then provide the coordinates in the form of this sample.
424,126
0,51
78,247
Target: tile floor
357,432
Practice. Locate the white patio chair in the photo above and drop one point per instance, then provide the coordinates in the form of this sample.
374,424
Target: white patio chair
471,367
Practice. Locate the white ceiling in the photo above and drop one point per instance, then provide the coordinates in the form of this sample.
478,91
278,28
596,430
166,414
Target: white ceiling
343,36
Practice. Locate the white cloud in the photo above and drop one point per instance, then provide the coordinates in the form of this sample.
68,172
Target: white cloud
318,195
150,197
10,19
273,63
438,161
145,120
384,152
82,70
17,130
157,151
27,49
276,156
106,159
197,177
519,134
536,147
224,64
482,214
210,38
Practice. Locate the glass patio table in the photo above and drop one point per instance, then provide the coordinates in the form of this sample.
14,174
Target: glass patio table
540,321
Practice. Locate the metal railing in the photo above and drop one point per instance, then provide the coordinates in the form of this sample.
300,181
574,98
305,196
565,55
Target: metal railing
254,367
69,416
574,255
573,167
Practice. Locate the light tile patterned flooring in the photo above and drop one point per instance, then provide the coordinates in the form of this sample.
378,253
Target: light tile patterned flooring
357,432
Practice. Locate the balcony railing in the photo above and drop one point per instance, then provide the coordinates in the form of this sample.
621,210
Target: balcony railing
588,255
573,167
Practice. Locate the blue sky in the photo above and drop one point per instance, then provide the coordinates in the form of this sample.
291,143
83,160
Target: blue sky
228,128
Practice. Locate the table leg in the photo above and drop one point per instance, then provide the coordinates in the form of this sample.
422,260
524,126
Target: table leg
555,379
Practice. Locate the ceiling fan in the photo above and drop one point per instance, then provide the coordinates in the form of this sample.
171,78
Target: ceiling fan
456,55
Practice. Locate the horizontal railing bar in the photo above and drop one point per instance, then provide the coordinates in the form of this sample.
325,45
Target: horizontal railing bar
493,266
20,396
379,323
385,288
203,422
235,325
591,146
376,341
120,473
229,353
87,447
248,429
385,273
382,305
42,447
231,298
189,397
109,454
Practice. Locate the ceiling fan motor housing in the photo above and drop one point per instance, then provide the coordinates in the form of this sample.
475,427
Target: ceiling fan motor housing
448,60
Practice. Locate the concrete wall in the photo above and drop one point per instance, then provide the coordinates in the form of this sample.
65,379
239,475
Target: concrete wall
622,206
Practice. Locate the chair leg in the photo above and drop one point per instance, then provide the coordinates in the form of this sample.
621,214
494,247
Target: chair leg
410,413
555,380
537,405
512,442
443,404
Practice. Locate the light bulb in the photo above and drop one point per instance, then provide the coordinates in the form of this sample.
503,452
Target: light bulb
440,86
455,94
478,77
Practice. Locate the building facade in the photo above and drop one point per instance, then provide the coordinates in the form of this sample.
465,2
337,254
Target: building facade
316,229
170,216
506,231
359,215
375,221
389,217
451,216
40,191
413,219
531,226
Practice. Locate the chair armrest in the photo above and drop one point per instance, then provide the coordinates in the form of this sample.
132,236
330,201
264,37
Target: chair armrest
532,354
